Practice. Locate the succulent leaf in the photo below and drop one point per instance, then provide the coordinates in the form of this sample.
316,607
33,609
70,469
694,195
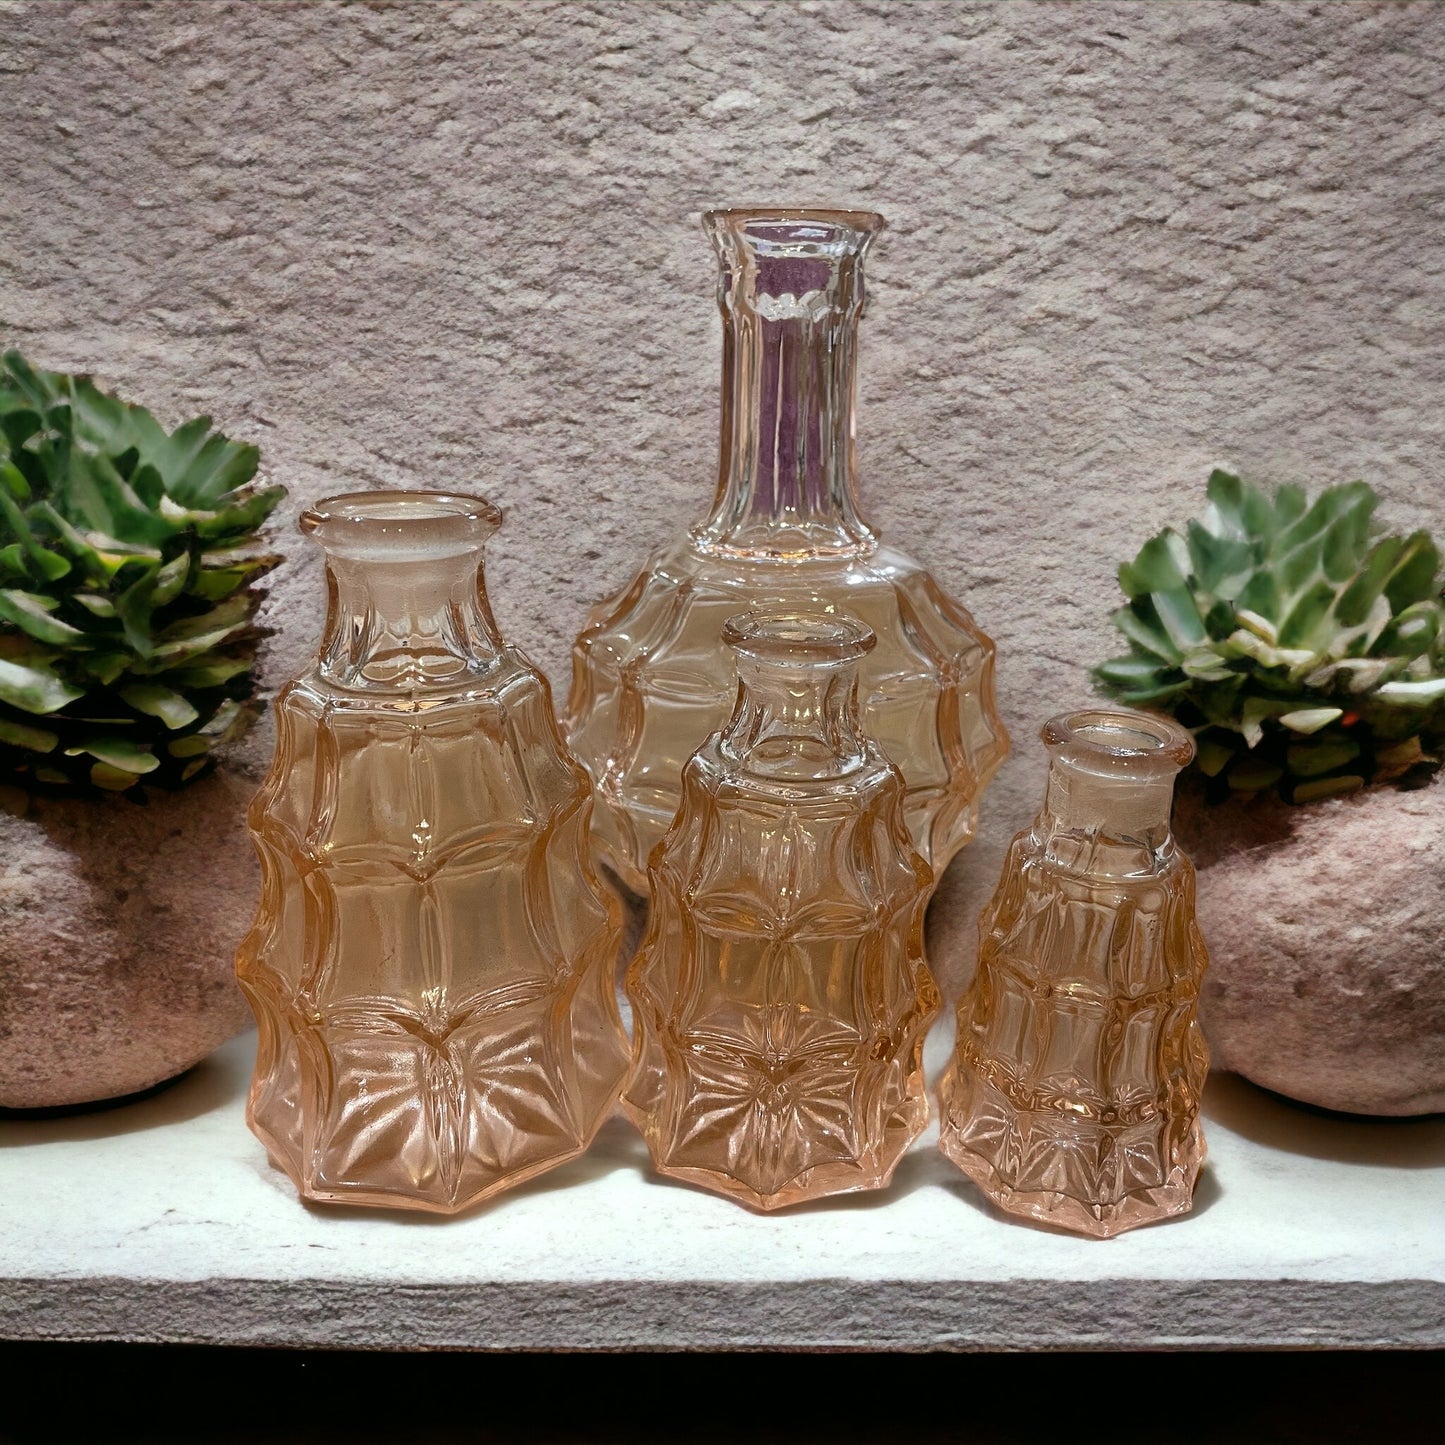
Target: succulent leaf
1155,569
34,689
1413,575
21,735
128,586
32,615
1318,788
149,697
1310,719
1305,651
1222,565
116,752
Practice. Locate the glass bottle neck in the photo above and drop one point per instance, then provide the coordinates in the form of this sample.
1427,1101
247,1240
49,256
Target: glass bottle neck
404,622
1103,822
791,294
795,723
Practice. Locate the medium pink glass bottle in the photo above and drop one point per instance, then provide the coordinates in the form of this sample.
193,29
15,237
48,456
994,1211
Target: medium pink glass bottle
431,966
1073,1093
781,995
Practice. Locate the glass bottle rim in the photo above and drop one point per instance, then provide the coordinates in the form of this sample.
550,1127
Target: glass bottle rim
1121,736
417,520
832,228
794,635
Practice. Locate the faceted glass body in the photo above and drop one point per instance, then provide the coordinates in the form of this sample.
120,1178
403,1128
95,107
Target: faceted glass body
432,963
781,996
1073,1092
651,676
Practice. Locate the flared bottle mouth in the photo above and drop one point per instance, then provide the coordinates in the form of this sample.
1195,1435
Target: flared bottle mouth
401,525
780,636
1107,739
793,232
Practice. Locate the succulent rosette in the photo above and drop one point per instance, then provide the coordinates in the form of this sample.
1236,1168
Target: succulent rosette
128,587
1305,650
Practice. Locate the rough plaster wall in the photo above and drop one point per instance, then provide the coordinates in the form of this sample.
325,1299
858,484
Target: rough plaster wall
450,244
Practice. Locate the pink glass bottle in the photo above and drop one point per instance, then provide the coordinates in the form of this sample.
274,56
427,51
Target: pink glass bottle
780,996
431,966
651,676
1073,1093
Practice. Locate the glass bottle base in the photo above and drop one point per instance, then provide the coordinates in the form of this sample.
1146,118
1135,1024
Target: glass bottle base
821,1181
366,1197
1078,1175
377,1114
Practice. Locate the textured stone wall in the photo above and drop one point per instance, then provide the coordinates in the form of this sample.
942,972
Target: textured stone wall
453,244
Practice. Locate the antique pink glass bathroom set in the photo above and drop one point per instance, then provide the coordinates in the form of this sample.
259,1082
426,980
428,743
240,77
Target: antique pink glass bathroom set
777,733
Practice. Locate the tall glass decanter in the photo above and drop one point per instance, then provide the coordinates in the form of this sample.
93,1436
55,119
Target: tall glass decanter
780,996
431,966
1073,1093
651,677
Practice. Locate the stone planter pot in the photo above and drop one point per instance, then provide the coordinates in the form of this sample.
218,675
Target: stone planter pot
1326,932
118,928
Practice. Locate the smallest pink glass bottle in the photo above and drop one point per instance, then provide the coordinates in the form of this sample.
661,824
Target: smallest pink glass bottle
1073,1093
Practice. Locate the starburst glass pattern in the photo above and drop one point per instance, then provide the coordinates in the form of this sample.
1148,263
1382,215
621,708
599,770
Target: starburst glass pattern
431,965
781,995
651,677
1073,1094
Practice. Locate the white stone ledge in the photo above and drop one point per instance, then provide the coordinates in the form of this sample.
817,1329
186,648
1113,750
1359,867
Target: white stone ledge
162,1221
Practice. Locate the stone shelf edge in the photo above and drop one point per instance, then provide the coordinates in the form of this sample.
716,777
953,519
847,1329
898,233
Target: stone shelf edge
162,1221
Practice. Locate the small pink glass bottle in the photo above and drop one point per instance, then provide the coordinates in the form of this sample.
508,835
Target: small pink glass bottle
1073,1093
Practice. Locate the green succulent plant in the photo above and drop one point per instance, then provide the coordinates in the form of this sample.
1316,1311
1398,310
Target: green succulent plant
1304,650
128,589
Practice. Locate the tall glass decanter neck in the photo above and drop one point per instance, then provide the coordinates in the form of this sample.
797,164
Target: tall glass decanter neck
407,609
796,715
1110,790
791,292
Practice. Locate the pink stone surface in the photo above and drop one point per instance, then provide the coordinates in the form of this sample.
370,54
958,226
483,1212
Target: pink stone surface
1327,950
118,929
